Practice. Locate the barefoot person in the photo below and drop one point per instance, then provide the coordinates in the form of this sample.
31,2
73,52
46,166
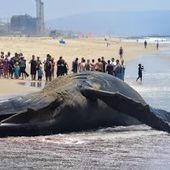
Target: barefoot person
121,53
140,69
33,70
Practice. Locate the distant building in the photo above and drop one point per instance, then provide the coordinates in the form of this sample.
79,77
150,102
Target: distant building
23,24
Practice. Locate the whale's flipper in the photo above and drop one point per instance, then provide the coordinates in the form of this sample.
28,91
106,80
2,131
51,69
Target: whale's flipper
128,106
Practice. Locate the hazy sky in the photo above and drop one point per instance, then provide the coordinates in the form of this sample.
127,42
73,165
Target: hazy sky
60,8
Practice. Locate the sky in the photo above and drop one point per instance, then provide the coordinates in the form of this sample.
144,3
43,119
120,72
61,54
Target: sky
62,8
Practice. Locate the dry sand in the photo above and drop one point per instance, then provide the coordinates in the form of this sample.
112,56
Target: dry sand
89,48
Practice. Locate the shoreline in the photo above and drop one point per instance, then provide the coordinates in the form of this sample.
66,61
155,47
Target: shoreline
89,48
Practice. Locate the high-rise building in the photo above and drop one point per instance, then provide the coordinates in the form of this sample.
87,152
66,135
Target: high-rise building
40,16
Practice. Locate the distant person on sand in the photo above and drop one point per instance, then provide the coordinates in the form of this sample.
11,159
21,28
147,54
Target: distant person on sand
157,45
140,69
145,44
121,53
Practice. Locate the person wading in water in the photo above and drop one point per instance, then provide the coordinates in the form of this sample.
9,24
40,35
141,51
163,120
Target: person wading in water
140,69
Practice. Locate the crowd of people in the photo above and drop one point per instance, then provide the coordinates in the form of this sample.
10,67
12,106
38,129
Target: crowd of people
12,66
15,67
112,67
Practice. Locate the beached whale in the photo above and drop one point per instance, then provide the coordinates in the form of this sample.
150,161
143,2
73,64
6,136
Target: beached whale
78,102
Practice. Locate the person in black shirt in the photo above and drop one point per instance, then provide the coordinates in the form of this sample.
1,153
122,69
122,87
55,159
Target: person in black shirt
60,67
109,68
140,69
104,65
75,66
145,44
33,68
47,69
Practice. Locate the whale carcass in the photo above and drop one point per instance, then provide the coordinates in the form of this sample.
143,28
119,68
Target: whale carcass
78,102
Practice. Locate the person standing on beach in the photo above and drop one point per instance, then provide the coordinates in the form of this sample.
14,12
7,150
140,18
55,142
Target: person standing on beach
60,67
1,68
52,68
11,67
82,65
157,45
75,65
22,64
87,65
123,70
104,65
33,68
40,73
109,68
140,69
145,44
121,53
6,67
92,65
38,63
47,69
113,62
17,70
65,68
118,70
99,66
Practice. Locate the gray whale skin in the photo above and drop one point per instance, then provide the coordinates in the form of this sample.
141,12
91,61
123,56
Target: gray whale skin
78,102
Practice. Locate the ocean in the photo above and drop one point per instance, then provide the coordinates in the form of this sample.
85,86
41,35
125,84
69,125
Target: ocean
125,148
151,40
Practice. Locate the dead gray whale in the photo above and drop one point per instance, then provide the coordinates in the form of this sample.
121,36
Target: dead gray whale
78,102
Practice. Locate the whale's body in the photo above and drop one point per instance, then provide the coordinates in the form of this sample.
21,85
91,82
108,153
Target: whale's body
78,102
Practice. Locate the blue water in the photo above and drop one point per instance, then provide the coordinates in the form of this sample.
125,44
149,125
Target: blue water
155,87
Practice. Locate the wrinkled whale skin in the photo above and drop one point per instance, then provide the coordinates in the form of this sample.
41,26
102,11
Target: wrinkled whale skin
78,102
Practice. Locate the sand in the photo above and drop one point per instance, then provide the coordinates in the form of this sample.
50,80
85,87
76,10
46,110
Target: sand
89,48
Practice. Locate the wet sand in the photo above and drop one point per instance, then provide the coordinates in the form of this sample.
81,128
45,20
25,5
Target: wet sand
135,147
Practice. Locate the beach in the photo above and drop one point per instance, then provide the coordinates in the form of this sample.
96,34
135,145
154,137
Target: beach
130,147
89,48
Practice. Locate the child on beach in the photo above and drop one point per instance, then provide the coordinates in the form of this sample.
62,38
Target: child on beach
40,73
17,70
